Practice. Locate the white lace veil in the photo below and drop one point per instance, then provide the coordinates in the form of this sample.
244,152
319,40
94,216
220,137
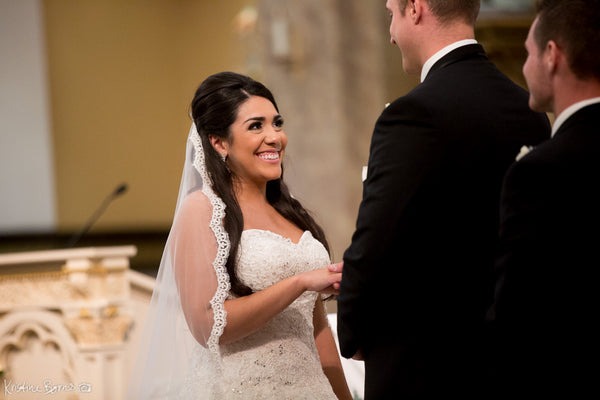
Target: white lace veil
186,315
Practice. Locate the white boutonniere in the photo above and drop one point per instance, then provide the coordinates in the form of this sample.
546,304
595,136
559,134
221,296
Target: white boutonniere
524,150
387,105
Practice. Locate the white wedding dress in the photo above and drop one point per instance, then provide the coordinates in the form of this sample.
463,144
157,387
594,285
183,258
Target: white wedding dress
279,361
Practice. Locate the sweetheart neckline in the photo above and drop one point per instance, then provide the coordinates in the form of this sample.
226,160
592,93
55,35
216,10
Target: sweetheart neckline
287,239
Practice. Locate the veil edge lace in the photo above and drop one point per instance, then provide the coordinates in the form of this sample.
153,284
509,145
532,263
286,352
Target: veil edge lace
223,245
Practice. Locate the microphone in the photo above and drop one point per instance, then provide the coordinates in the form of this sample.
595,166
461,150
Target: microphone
119,190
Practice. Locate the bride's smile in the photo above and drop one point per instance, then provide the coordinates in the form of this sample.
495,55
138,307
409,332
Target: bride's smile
269,156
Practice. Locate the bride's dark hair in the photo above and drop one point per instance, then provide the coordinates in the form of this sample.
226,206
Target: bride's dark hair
214,109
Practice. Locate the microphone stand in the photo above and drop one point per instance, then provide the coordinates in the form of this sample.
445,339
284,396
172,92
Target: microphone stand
119,190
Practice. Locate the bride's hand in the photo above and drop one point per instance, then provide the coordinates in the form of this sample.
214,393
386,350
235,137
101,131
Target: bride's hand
322,280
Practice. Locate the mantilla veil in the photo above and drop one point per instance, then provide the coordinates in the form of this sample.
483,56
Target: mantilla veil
173,348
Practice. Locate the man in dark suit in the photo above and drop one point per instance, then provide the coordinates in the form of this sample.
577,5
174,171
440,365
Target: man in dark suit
546,307
417,277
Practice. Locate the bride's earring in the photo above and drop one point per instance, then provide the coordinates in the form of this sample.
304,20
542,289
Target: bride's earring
224,159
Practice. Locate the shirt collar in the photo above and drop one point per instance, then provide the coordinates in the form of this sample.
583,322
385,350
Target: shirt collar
437,56
569,111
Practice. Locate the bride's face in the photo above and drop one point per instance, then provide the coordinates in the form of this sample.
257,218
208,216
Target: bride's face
257,142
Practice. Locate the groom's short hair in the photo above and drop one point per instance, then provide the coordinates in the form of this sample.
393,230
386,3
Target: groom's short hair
451,10
574,25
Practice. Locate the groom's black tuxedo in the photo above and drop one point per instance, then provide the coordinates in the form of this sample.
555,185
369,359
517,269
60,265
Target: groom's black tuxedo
417,277
546,311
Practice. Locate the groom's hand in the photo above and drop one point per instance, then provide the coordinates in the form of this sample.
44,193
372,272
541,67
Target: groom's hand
338,267
358,355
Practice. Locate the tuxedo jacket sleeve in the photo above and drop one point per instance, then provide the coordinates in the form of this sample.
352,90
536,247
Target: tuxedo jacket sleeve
394,177
422,250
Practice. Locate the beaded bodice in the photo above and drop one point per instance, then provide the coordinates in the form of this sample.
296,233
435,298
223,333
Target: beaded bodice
280,360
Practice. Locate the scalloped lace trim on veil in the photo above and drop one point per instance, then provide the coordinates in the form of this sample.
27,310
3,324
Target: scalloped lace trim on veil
218,213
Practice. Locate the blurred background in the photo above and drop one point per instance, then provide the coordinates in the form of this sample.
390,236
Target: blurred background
94,104
96,93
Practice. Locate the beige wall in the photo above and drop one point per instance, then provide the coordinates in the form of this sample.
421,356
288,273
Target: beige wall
121,76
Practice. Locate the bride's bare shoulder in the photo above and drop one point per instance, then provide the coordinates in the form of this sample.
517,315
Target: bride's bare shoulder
197,197
196,203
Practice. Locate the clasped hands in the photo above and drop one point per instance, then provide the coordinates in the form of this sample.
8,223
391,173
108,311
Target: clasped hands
335,287
335,274
324,280
337,269
327,281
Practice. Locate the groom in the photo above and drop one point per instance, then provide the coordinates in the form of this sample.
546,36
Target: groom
547,305
417,277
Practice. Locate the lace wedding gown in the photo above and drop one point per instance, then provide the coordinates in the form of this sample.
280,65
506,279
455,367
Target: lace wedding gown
279,361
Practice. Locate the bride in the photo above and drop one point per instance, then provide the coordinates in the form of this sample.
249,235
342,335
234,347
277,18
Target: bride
237,311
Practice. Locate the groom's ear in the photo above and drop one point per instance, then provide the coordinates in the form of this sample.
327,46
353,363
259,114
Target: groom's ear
415,10
553,56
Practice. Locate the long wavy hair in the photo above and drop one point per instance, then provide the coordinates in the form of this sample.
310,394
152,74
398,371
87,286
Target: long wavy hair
214,110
